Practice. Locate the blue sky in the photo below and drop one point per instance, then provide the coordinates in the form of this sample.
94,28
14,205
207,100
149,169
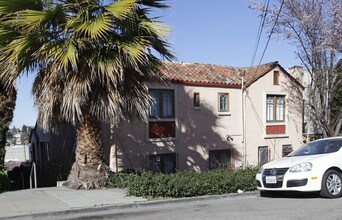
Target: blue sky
217,32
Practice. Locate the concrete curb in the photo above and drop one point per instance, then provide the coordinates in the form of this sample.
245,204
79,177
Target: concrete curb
132,206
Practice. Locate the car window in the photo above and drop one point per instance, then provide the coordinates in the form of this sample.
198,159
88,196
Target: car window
318,147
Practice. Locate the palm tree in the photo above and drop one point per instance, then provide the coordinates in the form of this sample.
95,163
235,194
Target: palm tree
92,58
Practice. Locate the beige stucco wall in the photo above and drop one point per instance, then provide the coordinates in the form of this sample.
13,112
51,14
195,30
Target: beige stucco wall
204,129
256,116
198,131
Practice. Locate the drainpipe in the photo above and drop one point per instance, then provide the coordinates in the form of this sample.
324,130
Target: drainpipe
243,106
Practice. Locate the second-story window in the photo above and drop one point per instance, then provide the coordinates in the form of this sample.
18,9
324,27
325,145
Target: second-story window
163,103
162,123
275,108
223,101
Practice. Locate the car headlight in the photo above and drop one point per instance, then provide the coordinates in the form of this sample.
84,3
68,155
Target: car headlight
260,169
302,167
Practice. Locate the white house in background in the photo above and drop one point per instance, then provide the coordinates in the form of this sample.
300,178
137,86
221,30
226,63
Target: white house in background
210,116
310,129
17,138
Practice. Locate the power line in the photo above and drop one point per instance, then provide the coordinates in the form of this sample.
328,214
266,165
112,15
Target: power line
262,22
269,37
243,101
261,26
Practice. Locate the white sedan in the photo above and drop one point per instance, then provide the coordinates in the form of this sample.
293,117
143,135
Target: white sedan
316,166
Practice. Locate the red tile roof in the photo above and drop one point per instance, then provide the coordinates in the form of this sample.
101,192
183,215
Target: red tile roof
196,73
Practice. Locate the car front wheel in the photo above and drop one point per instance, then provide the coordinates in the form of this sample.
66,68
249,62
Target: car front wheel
331,184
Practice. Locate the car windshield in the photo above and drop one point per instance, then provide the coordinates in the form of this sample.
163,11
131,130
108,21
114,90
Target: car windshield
318,147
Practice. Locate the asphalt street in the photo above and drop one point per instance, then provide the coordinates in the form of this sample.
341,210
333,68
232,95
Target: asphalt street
307,206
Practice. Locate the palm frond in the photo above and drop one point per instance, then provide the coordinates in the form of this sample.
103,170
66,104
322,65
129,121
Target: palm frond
154,3
8,7
96,27
27,19
121,8
163,48
16,48
155,28
8,75
6,34
135,50
62,52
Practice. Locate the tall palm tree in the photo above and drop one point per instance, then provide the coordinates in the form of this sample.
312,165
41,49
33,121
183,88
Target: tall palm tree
92,58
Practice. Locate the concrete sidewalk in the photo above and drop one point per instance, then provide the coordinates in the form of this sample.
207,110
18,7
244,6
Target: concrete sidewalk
56,199
63,203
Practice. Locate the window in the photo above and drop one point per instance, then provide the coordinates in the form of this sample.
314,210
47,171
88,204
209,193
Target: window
318,147
163,103
287,149
219,159
275,108
262,155
162,122
163,163
275,77
196,100
223,100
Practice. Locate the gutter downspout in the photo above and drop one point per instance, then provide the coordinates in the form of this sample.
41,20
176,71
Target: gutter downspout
243,105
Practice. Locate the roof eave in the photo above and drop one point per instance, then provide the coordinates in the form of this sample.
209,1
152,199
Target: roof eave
276,64
207,84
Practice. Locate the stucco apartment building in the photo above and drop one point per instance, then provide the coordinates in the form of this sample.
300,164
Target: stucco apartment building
206,116
209,116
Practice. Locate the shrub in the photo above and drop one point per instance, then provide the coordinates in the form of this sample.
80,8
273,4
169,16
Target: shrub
186,184
5,182
119,180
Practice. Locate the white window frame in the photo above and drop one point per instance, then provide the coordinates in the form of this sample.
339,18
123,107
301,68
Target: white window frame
273,110
286,117
223,113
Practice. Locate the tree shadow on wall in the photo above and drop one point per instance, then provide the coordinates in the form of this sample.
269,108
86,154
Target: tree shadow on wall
294,103
199,132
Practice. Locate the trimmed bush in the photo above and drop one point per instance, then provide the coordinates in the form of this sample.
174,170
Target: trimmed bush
186,184
5,182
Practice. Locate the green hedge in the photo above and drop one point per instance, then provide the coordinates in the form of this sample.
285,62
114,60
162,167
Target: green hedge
5,182
186,184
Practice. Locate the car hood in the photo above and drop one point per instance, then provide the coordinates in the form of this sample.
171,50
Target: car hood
291,161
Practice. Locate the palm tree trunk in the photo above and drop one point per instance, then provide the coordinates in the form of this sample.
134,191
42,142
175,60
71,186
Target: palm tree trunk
89,170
